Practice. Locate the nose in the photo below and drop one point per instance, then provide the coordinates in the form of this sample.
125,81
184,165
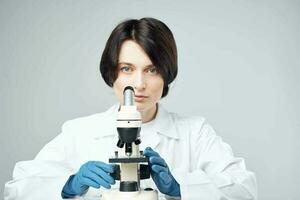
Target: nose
139,82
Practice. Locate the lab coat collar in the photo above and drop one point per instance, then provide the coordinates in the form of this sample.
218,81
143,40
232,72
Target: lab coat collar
163,123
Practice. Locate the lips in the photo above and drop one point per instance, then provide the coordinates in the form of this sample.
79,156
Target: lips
140,98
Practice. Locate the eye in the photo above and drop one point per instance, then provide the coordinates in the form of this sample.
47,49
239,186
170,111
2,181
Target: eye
152,70
125,69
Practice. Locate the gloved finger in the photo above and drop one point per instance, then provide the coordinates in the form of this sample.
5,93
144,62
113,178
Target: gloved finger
104,184
104,175
95,178
157,161
106,167
157,169
149,152
165,178
89,182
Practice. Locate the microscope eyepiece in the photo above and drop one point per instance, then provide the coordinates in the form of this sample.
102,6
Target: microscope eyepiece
128,96
128,88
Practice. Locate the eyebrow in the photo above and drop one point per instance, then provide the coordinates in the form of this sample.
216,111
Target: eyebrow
127,63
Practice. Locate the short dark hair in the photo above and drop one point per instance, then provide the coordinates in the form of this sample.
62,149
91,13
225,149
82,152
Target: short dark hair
154,37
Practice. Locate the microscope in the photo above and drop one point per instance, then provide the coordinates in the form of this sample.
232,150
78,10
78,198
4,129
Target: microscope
131,166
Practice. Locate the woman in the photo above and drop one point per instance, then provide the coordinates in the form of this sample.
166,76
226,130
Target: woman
188,160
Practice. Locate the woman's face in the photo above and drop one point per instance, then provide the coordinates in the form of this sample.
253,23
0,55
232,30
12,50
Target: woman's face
136,69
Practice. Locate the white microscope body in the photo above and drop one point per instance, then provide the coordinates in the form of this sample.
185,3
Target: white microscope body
132,164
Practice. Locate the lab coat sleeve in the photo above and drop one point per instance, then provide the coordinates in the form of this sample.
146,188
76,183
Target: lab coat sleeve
43,177
214,172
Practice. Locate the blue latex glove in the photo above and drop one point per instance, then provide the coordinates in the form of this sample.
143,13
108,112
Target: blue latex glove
161,174
91,174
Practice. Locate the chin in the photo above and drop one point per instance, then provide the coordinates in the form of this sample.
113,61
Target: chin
141,106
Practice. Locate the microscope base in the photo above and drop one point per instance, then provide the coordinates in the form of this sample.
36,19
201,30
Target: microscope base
139,195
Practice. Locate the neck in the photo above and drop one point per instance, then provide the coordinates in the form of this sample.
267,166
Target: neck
148,115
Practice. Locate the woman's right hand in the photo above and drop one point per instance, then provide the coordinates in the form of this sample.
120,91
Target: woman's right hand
91,174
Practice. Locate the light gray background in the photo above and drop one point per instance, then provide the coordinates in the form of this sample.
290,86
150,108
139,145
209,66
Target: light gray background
238,67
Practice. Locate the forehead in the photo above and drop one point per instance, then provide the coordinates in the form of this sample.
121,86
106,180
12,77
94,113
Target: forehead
132,52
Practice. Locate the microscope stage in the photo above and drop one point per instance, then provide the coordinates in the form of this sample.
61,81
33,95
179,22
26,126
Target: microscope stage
128,160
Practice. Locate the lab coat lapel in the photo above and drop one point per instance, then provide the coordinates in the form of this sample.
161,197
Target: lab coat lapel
150,141
164,123
163,128
166,129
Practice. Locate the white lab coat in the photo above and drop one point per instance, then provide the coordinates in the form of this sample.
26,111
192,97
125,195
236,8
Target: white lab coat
199,160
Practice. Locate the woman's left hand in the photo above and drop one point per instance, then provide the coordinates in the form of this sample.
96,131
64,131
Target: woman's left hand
161,174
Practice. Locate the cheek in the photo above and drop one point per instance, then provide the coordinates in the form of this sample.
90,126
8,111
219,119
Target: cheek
157,87
122,82
119,86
